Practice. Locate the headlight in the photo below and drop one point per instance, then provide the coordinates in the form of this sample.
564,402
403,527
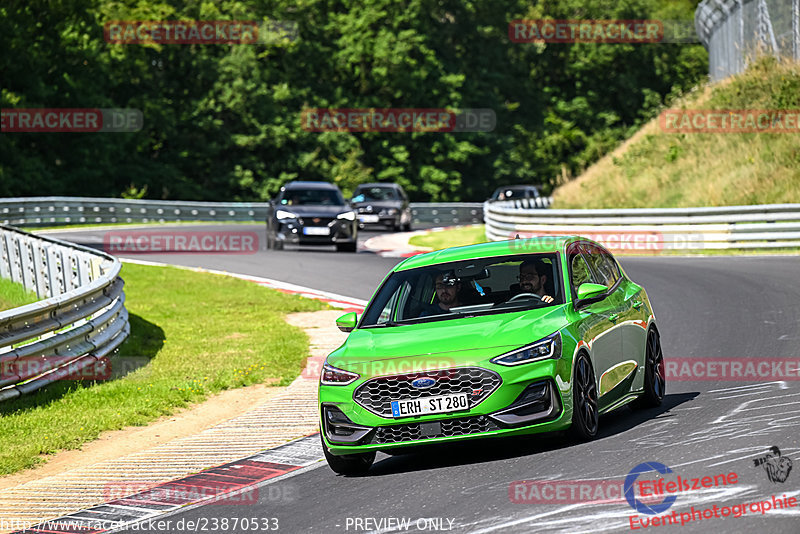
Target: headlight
331,376
283,214
544,349
389,211
349,215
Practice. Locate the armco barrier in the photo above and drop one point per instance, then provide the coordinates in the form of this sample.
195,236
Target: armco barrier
731,227
81,319
55,211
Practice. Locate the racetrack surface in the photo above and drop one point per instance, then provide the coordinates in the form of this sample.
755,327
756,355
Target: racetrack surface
705,307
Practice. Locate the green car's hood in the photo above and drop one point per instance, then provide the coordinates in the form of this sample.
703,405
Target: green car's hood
442,344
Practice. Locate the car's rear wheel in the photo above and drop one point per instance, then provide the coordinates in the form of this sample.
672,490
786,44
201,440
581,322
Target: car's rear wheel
348,464
654,376
585,414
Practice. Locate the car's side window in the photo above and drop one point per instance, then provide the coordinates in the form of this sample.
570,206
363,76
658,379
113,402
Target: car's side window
395,304
579,271
603,265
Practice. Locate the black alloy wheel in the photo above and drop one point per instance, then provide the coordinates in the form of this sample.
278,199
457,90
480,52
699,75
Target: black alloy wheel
585,414
654,375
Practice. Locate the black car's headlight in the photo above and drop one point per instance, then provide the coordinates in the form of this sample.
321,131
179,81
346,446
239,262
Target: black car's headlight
348,215
389,211
331,376
283,214
544,349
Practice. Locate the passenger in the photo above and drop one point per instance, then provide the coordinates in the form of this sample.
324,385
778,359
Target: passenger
447,289
532,278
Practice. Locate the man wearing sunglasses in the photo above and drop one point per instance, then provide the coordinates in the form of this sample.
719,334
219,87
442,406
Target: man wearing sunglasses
532,279
447,289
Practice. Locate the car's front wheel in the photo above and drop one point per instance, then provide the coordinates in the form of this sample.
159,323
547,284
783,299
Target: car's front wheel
348,464
654,376
585,414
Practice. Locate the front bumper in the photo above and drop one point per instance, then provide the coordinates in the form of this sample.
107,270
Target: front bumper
295,231
539,407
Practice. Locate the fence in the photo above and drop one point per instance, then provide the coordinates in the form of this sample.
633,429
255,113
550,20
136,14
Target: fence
654,230
81,319
54,211
734,30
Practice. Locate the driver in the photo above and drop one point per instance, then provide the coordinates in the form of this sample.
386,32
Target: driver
447,289
532,277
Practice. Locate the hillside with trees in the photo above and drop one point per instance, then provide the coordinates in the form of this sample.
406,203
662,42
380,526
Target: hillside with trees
222,121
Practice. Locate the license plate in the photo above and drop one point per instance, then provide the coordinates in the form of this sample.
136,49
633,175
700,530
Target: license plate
368,218
317,230
428,405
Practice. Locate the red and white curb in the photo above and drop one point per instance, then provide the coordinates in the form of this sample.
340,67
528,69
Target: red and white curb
234,483
397,246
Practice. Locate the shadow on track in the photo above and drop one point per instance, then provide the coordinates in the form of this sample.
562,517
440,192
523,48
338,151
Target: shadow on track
428,457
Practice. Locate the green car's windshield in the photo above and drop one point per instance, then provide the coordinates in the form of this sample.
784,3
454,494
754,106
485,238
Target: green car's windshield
466,288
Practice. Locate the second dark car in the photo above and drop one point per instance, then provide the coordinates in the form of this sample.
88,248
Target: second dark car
384,204
311,213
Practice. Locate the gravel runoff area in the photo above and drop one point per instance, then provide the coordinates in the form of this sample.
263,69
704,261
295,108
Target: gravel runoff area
285,415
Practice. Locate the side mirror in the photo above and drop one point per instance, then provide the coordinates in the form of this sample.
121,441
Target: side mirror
588,292
348,321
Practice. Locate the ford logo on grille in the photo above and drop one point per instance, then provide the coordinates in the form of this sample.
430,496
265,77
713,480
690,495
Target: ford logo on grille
423,383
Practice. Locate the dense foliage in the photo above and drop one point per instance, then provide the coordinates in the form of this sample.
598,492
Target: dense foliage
222,121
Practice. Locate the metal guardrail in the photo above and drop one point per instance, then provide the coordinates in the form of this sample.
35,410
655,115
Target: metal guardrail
81,319
447,213
652,230
55,211
735,30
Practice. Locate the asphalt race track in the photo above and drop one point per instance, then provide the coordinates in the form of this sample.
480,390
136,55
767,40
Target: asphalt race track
706,307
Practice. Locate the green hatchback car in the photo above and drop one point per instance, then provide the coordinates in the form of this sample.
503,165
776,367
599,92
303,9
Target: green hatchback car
497,339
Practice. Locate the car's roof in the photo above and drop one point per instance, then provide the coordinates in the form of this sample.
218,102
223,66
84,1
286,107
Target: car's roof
550,243
311,185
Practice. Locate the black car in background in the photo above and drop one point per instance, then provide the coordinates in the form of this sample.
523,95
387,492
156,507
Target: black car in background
514,192
384,204
311,213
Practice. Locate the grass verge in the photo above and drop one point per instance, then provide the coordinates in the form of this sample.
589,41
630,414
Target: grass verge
13,295
192,335
658,169
456,237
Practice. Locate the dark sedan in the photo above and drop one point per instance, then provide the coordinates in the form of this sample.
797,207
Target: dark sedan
513,192
384,204
311,213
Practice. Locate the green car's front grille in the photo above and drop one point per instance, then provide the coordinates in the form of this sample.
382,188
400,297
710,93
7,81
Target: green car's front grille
377,394
461,426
